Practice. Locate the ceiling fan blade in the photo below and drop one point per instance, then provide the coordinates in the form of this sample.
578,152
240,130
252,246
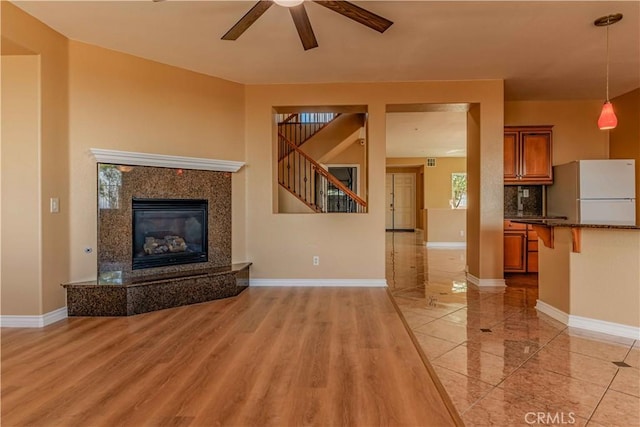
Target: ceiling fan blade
247,20
358,14
303,25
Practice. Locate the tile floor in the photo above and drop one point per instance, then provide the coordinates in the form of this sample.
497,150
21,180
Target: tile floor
501,361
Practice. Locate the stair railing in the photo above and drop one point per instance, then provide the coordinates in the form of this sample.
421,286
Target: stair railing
312,184
300,127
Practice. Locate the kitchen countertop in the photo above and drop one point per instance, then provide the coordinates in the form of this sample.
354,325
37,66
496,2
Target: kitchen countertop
555,222
532,217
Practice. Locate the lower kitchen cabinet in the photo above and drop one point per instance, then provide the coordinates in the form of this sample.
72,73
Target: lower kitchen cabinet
520,248
532,250
515,248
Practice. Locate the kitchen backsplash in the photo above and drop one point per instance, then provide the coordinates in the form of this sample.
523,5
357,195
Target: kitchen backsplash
530,206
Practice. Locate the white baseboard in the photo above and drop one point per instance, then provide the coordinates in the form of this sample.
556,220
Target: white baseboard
366,283
588,324
10,321
604,327
485,283
552,312
446,245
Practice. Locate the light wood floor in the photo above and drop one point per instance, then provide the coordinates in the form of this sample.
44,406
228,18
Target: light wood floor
272,356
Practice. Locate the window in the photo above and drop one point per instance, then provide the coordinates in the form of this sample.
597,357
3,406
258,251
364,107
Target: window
458,190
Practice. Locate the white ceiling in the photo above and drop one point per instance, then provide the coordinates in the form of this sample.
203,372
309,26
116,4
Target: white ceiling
430,134
546,50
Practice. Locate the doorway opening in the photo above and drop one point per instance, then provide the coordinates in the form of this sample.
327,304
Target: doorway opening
426,172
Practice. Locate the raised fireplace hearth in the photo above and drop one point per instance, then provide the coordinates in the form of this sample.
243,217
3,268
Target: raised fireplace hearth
113,295
164,236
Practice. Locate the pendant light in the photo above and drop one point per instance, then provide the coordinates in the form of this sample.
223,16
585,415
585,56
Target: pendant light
607,119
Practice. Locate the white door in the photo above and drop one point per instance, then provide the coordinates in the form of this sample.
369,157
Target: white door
388,218
401,201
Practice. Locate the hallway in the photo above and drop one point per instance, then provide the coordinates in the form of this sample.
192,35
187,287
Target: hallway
501,361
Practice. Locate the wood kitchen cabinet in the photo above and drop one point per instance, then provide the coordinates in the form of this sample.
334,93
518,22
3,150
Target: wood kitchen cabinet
520,248
532,250
515,247
527,155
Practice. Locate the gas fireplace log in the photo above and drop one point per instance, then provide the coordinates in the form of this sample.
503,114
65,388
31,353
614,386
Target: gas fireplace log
153,246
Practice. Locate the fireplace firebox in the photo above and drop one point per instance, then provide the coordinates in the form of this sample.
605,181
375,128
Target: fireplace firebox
169,232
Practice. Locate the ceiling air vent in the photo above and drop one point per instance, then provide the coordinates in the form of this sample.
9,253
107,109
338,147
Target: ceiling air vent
431,162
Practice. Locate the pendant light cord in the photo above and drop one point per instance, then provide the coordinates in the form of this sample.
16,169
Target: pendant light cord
608,24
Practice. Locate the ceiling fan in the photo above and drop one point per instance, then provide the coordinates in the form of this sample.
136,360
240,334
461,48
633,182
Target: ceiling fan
301,19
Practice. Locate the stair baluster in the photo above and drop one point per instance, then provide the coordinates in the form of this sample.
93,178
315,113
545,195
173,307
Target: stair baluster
317,181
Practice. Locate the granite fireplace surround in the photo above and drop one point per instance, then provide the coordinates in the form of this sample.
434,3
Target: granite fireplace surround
122,291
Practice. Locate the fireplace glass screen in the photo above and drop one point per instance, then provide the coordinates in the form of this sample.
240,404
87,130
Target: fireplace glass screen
169,232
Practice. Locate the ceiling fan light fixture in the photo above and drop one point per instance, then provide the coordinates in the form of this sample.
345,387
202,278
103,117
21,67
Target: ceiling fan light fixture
288,3
301,19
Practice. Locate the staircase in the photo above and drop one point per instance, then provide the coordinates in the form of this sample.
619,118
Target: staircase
303,177
300,127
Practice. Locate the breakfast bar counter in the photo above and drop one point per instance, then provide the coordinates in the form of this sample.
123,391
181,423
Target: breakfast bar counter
589,275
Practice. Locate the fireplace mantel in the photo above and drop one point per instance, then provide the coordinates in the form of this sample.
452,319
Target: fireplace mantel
161,160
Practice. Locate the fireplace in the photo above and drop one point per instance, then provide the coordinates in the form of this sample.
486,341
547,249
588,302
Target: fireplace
183,216
158,202
168,232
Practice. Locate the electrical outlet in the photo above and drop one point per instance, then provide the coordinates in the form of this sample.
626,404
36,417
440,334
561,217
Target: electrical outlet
316,260
461,233
525,192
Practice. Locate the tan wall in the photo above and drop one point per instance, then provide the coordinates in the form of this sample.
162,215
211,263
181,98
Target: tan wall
127,103
20,29
21,272
288,203
405,161
437,191
446,225
620,275
554,271
624,140
575,130
352,246
475,232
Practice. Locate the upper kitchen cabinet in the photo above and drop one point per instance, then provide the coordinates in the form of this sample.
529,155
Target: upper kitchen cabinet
527,155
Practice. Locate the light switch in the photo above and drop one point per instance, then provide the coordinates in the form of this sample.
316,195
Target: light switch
54,205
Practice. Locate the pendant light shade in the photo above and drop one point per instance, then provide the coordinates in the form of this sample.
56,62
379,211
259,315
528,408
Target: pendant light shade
608,119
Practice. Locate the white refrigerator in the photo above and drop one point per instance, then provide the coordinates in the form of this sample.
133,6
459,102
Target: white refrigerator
594,192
